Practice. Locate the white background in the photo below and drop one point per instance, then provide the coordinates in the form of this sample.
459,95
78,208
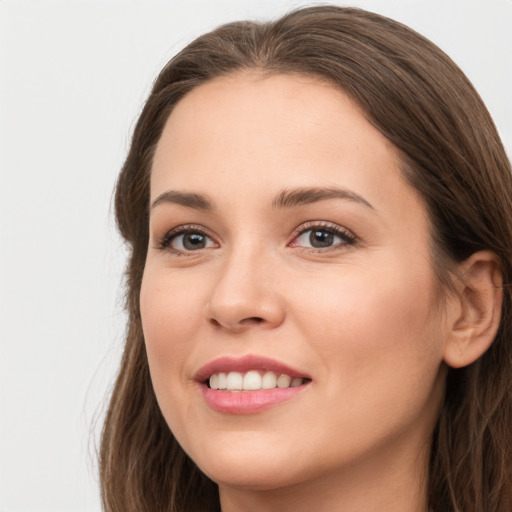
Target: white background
73,76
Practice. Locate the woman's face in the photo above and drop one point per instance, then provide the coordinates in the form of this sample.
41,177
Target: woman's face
285,241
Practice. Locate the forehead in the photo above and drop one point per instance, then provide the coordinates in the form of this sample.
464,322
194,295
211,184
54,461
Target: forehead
282,130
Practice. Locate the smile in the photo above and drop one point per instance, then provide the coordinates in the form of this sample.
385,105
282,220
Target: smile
249,385
252,380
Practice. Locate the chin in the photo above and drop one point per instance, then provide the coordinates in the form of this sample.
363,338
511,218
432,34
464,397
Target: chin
259,477
258,466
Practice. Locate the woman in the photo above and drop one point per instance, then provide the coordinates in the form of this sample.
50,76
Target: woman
318,211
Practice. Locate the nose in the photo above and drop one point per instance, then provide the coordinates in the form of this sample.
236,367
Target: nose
246,294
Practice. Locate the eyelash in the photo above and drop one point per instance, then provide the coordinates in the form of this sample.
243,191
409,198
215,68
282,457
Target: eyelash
348,238
164,243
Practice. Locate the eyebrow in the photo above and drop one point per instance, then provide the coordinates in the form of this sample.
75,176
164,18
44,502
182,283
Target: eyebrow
288,198
299,196
190,200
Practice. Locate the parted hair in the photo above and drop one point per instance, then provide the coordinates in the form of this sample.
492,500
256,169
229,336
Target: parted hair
451,154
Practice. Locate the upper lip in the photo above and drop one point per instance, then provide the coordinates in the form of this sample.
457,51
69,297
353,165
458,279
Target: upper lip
244,364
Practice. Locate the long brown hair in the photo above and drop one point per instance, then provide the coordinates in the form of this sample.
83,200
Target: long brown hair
451,153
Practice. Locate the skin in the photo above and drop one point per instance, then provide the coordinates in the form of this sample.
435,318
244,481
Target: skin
362,319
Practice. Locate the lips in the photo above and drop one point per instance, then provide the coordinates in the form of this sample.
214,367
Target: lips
248,385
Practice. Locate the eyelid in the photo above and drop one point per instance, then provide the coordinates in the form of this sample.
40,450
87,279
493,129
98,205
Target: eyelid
345,234
163,242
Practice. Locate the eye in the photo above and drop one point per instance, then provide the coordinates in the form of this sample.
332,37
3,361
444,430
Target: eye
320,237
191,242
186,239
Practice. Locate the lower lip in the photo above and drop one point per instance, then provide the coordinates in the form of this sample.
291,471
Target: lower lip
248,402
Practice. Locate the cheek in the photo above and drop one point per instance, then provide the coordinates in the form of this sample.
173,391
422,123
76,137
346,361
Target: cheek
170,314
372,325
381,347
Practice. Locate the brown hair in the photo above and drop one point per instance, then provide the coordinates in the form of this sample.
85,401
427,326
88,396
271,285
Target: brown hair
451,153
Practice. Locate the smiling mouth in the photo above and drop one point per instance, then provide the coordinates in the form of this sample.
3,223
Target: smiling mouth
252,380
249,385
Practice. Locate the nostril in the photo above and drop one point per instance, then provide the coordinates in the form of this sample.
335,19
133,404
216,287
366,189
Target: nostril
251,320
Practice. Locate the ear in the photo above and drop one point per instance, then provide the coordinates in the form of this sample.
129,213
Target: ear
476,316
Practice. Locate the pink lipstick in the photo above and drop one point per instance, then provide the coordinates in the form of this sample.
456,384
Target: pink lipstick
248,385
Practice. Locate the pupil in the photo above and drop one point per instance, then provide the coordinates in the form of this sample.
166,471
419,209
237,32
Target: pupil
193,241
321,238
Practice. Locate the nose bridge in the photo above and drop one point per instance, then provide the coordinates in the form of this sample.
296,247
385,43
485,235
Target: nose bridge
245,292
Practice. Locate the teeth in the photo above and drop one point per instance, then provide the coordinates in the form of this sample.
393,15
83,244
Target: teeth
252,381
222,383
297,381
234,381
284,381
269,380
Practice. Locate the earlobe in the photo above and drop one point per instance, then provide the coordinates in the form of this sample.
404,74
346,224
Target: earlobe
478,312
